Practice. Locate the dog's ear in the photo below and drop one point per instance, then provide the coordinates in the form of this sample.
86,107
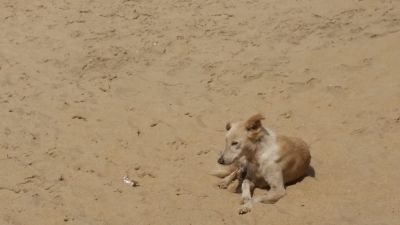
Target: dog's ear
254,127
228,126
254,122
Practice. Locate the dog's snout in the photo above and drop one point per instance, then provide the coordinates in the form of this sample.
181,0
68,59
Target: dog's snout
221,160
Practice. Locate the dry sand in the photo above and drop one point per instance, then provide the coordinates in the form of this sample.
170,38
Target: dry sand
94,90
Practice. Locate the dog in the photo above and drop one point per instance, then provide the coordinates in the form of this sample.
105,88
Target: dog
271,160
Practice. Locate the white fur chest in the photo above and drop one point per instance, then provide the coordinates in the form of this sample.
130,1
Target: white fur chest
268,151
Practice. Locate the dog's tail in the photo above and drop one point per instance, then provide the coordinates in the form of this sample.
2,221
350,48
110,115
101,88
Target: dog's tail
221,171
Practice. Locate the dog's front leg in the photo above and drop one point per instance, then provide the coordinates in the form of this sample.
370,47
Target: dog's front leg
275,180
272,196
228,179
241,174
247,187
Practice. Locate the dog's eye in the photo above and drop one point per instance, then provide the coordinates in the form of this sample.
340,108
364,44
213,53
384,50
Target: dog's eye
235,143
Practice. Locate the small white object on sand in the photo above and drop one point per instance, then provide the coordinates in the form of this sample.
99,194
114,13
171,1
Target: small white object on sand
131,183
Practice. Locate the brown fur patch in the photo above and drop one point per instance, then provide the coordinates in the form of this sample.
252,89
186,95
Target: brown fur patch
254,122
294,157
254,127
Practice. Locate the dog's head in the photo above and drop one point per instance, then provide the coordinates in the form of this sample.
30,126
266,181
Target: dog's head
241,138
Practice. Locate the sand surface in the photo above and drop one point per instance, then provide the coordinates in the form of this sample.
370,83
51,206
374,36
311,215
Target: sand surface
94,90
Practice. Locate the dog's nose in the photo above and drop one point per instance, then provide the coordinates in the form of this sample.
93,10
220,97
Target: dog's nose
221,160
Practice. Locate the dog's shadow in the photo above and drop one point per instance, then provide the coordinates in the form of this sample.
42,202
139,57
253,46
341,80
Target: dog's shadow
311,172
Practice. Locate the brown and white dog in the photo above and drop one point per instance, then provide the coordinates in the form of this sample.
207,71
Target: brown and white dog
271,160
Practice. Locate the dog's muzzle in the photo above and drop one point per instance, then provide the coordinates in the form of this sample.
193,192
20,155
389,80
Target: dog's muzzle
221,160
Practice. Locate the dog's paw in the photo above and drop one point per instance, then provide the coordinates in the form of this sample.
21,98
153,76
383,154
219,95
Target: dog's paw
223,185
244,209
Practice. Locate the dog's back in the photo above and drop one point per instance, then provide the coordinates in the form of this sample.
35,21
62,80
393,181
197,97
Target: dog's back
294,158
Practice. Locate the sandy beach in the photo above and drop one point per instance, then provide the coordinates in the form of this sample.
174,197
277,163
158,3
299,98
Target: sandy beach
91,91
